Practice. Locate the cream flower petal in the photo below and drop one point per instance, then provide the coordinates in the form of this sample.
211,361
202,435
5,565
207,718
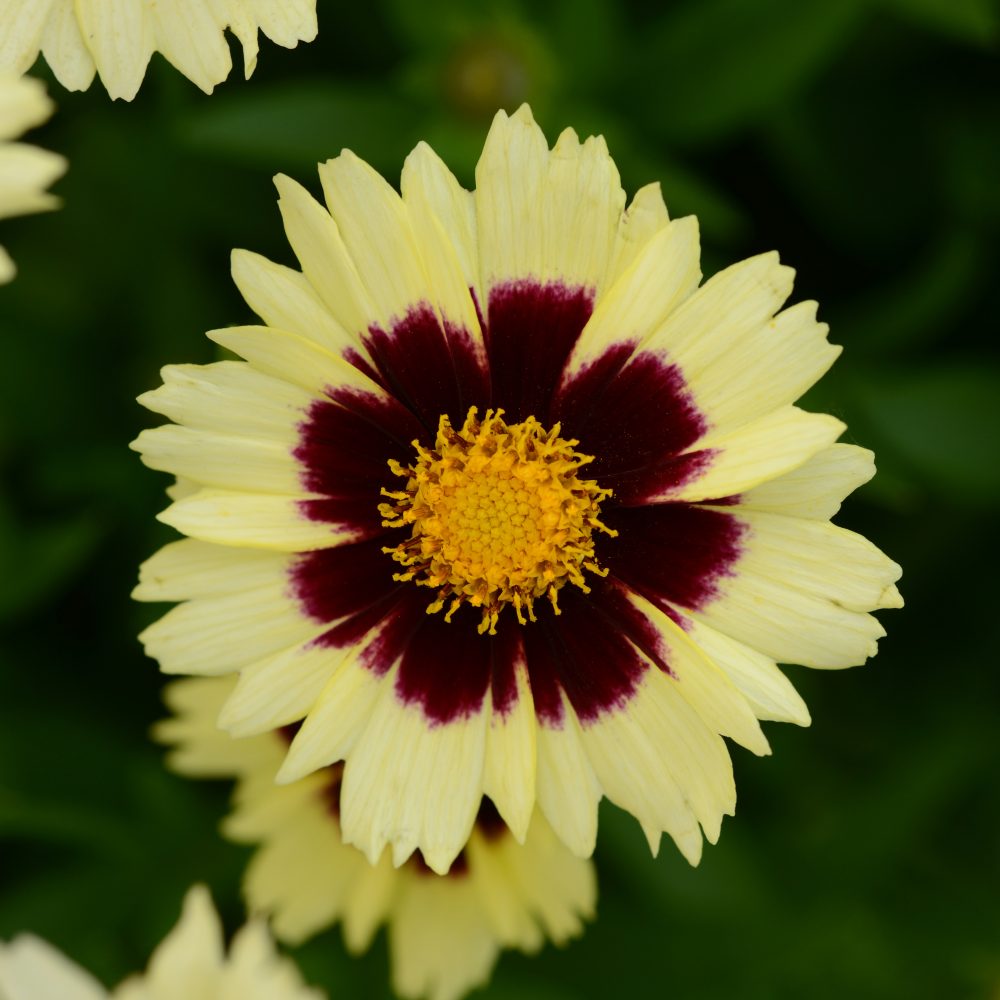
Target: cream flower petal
116,38
551,216
31,969
64,48
190,964
393,783
25,171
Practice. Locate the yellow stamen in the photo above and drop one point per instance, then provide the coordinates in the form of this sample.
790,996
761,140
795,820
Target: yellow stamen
499,517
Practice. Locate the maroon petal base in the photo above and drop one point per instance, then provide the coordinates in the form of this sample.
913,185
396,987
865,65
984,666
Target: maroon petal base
631,410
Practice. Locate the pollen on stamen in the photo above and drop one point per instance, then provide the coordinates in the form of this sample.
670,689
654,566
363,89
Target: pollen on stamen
499,516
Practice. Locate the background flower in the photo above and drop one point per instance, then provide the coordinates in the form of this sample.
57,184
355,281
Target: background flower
116,38
25,171
190,962
445,933
815,128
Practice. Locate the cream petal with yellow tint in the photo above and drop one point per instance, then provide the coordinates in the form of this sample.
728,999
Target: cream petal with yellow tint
559,890
737,369
285,22
817,488
664,272
446,279
24,24
664,792
790,627
284,878
187,33
767,447
702,683
199,748
395,268
427,179
23,105
336,721
217,397
118,37
31,969
568,789
224,461
25,171
770,367
728,307
324,257
255,969
65,49
511,760
551,216
218,634
369,902
785,603
408,785
261,803
121,39
768,692
285,300
510,180
297,360
423,965
258,520
281,688
582,205
189,568
191,963
500,896
645,216
797,550
191,956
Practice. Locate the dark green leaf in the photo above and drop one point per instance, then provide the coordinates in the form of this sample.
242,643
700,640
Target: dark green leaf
973,21
944,424
296,126
710,67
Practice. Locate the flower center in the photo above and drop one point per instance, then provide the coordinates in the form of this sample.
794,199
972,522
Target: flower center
499,516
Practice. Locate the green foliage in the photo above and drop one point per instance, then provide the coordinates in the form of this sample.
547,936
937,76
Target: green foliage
725,64
973,21
943,425
857,136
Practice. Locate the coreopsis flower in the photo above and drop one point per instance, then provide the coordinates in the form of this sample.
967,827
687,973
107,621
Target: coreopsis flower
445,931
502,502
25,171
116,38
189,963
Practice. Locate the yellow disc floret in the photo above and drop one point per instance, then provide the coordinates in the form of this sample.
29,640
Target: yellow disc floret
498,514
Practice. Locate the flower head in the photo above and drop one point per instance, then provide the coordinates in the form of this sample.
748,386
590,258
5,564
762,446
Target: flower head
116,38
190,962
502,502
25,171
445,932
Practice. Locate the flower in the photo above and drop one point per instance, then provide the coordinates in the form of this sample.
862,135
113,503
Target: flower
445,932
116,38
502,502
25,171
189,962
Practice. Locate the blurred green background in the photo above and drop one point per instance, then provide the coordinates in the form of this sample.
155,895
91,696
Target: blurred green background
861,138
